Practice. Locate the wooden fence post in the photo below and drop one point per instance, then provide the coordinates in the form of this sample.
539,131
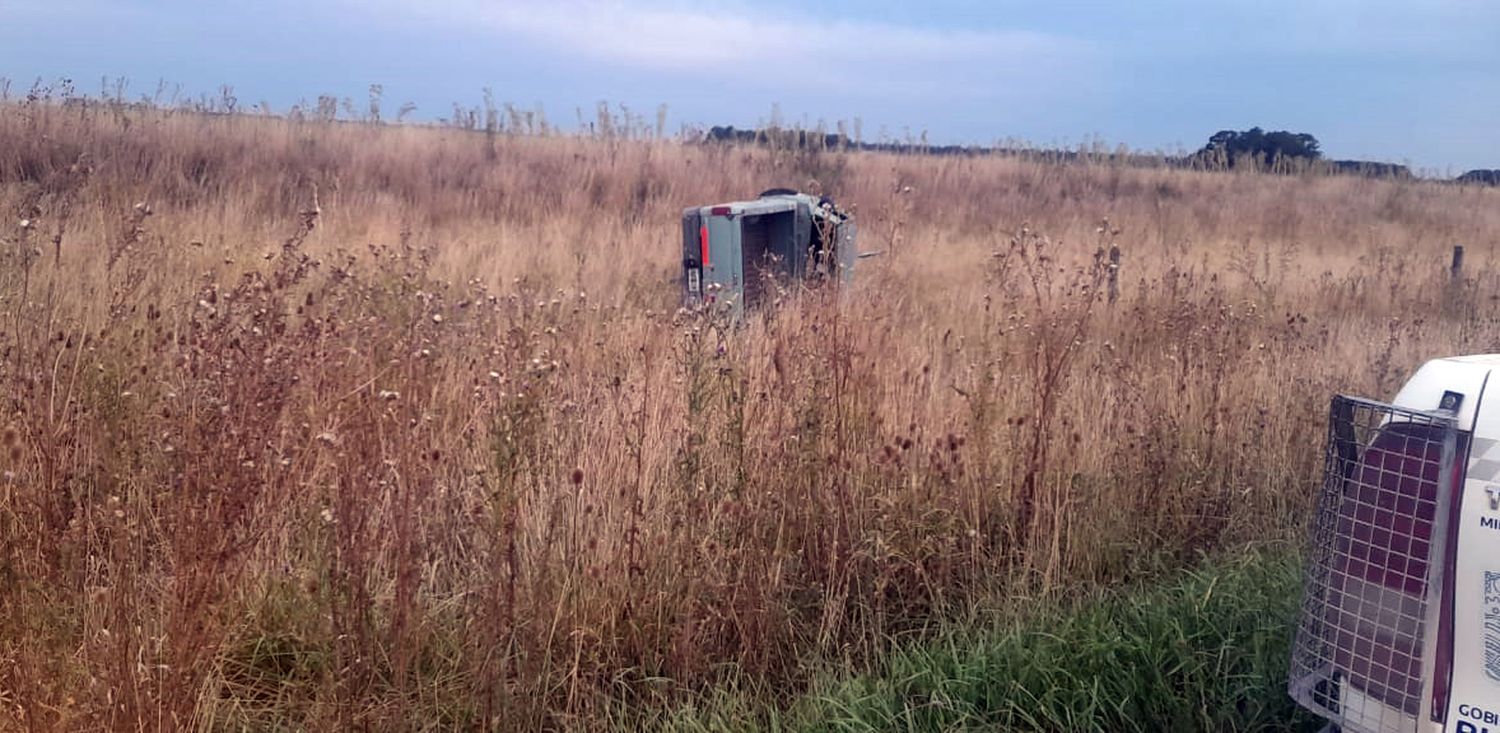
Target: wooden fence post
1114,273
1454,300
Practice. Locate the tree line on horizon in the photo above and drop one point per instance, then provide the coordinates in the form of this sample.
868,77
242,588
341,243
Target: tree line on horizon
1255,148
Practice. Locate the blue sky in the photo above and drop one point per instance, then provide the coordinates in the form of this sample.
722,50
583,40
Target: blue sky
1411,82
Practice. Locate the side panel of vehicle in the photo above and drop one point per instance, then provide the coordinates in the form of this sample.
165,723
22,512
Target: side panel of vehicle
1473,702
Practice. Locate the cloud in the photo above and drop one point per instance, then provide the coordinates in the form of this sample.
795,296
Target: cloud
789,47
1430,30
62,11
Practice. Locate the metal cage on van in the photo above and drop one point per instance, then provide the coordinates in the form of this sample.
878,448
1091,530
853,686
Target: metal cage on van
1374,570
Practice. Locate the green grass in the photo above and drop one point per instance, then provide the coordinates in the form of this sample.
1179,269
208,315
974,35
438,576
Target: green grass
1205,651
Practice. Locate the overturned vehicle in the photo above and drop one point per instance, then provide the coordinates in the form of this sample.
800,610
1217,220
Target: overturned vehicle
738,254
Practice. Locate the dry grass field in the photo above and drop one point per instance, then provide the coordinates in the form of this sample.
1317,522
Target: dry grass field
344,426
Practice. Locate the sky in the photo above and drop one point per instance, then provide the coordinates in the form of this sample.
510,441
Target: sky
1412,81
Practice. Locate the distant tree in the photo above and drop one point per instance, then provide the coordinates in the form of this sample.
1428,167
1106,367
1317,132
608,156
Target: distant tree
1233,147
1488,177
376,91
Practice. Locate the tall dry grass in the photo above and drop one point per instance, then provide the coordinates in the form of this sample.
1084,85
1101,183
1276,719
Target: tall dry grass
327,425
